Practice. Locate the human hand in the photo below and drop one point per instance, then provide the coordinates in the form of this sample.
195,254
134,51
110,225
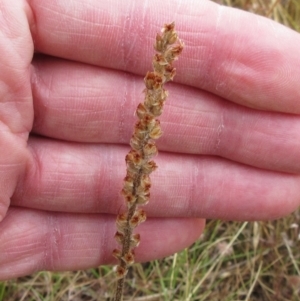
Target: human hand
231,127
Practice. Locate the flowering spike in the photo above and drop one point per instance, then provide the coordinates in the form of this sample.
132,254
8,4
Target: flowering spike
136,187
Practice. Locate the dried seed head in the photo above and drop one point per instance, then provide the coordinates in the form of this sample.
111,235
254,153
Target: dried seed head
155,103
157,96
128,182
136,189
172,38
160,59
119,237
143,198
153,80
141,111
135,143
148,122
129,197
135,240
138,217
170,73
140,130
151,123
143,191
121,222
120,272
132,168
145,182
149,167
168,27
159,43
154,97
116,253
168,37
134,221
149,101
157,109
125,191
173,52
134,157
128,258
150,149
142,215
156,131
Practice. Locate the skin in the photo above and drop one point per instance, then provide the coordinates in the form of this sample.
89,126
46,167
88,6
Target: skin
71,77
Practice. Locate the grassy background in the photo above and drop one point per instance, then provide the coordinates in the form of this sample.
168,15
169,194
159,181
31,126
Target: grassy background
257,261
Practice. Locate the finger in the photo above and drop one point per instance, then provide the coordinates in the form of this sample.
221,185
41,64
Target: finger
82,103
242,57
88,178
35,240
16,112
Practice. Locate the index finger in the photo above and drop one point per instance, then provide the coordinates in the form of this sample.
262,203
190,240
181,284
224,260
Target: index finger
244,58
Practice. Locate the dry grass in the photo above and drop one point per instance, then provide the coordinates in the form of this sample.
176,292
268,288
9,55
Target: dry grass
257,261
286,12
